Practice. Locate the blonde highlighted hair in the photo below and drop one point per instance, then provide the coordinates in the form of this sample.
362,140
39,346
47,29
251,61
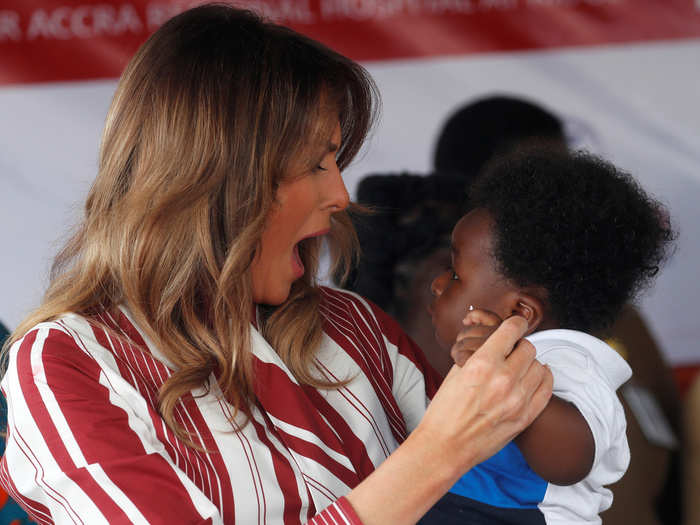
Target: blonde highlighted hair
205,121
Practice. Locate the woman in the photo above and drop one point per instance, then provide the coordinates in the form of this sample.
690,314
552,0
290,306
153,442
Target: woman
184,367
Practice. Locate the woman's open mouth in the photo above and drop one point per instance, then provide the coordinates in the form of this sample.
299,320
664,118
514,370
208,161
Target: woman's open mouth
298,250
297,265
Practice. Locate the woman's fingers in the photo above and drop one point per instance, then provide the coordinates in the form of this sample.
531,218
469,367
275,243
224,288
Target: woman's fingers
521,358
452,371
515,378
528,395
493,397
500,344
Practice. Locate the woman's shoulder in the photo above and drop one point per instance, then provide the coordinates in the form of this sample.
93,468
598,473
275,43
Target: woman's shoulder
55,336
90,345
52,355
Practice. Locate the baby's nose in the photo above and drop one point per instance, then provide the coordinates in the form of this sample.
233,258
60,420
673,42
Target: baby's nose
437,286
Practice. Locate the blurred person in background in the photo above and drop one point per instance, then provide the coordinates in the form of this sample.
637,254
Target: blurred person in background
691,462
493,125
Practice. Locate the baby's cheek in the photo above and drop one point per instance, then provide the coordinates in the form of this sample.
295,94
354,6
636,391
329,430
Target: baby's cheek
448,319
443,326
455,324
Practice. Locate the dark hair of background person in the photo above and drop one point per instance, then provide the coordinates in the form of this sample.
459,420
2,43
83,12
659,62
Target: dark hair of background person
576,226
405,240
411,216
490,126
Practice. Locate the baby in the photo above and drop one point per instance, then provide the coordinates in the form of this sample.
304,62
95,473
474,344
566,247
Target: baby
563,240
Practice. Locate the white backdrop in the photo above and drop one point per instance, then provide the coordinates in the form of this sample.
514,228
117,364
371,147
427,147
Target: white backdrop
635,104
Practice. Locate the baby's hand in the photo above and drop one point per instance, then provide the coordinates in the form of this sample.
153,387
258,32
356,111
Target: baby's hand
478,326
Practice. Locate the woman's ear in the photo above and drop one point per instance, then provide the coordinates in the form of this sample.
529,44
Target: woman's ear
531,308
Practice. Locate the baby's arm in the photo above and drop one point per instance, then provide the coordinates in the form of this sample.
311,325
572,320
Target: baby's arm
559,444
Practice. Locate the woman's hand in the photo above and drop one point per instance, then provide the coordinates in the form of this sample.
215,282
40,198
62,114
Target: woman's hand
498,392
477,410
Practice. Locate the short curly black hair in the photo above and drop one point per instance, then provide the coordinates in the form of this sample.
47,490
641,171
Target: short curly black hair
577,226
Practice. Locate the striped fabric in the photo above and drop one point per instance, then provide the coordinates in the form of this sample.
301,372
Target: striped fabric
86,443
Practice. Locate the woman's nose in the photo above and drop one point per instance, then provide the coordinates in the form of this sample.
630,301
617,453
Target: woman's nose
337,196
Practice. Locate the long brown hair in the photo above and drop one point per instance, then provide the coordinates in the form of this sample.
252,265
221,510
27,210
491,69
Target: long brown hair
205,120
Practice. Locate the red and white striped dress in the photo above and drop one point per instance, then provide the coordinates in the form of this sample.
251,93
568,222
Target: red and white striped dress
86,443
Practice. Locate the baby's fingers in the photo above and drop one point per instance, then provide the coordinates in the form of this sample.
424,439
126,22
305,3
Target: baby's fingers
476,332
478,316
464,348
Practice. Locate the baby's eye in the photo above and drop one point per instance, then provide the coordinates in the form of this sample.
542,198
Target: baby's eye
453,275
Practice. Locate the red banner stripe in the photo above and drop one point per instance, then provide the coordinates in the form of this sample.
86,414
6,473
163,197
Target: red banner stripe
66,40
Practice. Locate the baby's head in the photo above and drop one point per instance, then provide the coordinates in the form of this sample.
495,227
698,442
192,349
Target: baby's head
563,239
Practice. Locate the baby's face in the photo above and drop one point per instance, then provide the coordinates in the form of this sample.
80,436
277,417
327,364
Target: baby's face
472,279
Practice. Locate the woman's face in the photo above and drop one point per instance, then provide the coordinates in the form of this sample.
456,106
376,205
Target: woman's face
304,204
471,279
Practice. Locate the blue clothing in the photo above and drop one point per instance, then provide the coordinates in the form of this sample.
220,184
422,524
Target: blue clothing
503,490
453,509
503,480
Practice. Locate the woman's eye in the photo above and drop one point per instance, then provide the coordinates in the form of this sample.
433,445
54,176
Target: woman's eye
453,275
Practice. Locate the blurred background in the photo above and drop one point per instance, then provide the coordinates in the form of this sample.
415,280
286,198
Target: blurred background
622,75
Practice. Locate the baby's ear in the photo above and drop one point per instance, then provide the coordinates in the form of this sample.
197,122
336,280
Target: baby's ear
531,308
